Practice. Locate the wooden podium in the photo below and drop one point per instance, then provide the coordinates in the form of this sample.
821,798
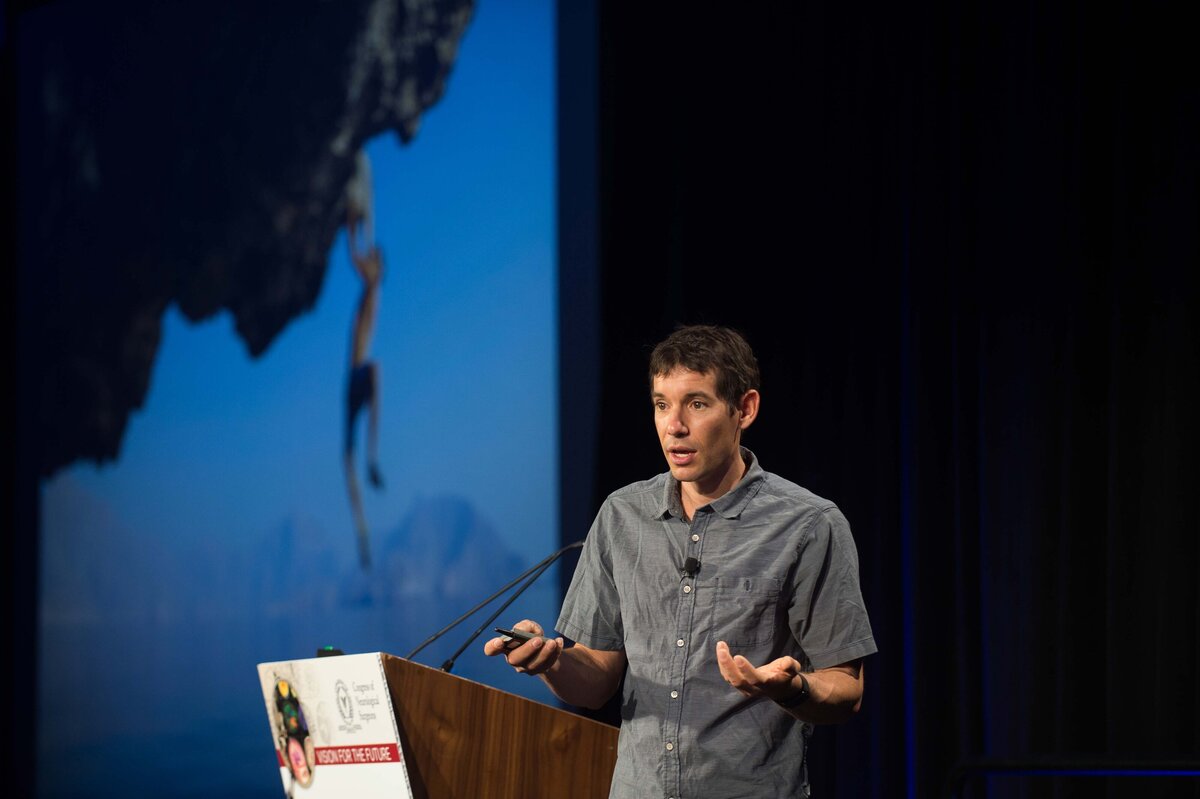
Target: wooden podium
466,740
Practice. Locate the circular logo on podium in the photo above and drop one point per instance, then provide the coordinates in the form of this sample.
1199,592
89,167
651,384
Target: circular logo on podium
344,703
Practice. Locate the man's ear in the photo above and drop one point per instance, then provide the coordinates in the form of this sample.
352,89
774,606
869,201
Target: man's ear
748,408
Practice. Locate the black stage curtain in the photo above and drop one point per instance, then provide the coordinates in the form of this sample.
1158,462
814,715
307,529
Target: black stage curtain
962,239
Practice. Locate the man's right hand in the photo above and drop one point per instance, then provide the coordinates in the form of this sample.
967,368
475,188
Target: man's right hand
535,656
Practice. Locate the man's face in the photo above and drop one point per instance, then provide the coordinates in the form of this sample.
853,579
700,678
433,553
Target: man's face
699,433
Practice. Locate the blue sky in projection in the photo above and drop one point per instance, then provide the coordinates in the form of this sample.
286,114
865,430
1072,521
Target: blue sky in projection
464,337
230,456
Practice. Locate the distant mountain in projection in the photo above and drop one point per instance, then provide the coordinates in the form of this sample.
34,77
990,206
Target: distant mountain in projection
443,556
93,567
297,569
444,551
96,568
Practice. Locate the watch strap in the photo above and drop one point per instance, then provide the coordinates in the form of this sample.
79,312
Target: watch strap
796,699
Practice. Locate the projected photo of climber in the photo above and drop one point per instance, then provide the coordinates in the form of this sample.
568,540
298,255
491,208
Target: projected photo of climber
362,383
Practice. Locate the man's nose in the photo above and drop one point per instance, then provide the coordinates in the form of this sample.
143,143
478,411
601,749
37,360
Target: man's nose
676,427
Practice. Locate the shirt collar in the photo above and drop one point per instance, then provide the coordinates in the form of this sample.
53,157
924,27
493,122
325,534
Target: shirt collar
730,505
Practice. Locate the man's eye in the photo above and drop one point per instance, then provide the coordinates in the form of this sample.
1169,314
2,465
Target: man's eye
697,404
662,406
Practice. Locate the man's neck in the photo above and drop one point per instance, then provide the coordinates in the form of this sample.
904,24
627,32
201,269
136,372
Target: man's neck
693,496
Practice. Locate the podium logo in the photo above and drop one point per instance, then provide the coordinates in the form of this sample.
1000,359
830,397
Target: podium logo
344,703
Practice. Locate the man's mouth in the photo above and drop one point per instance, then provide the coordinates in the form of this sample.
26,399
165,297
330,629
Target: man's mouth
681,456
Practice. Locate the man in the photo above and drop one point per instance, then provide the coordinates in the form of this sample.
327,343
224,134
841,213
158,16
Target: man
362,381
730,594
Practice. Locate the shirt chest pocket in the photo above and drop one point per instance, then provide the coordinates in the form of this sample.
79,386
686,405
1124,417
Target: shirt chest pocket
746,611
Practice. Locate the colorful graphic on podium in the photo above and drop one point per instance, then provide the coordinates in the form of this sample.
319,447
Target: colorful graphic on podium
334,728
294,743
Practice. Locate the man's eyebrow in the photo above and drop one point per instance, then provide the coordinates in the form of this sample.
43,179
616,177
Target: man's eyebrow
691,395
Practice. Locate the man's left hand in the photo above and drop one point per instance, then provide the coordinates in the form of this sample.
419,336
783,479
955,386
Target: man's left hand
774,680
834,693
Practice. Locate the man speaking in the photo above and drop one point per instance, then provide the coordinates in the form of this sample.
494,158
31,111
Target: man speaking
730,594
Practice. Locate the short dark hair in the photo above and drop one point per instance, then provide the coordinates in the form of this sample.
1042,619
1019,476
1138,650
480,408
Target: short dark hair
721,351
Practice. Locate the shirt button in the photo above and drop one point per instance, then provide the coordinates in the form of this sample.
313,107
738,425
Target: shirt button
695,537
687,589
670,746
674,694
679,642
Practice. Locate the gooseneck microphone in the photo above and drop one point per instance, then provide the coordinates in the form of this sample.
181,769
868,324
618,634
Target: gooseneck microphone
690,567
532,573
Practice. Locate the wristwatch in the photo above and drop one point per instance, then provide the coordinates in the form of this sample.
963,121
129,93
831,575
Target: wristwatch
797,699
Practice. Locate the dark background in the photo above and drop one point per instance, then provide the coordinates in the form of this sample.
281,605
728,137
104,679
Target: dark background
963,240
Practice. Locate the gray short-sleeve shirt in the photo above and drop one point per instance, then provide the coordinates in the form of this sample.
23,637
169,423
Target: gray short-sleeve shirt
778,576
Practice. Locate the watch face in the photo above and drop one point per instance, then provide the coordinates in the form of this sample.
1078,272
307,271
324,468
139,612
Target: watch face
798,698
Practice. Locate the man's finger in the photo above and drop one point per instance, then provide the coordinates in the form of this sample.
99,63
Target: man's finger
735,672
747,670
725,663
528,626
546,654
521,656
542,654
494,646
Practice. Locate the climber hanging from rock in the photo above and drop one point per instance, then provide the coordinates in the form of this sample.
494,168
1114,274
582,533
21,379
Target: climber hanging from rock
362,383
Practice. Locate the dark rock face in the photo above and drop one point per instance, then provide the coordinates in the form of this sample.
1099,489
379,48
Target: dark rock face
198,155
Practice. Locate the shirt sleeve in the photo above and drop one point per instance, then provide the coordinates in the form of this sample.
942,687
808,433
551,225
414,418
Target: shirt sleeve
827,614
591,611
